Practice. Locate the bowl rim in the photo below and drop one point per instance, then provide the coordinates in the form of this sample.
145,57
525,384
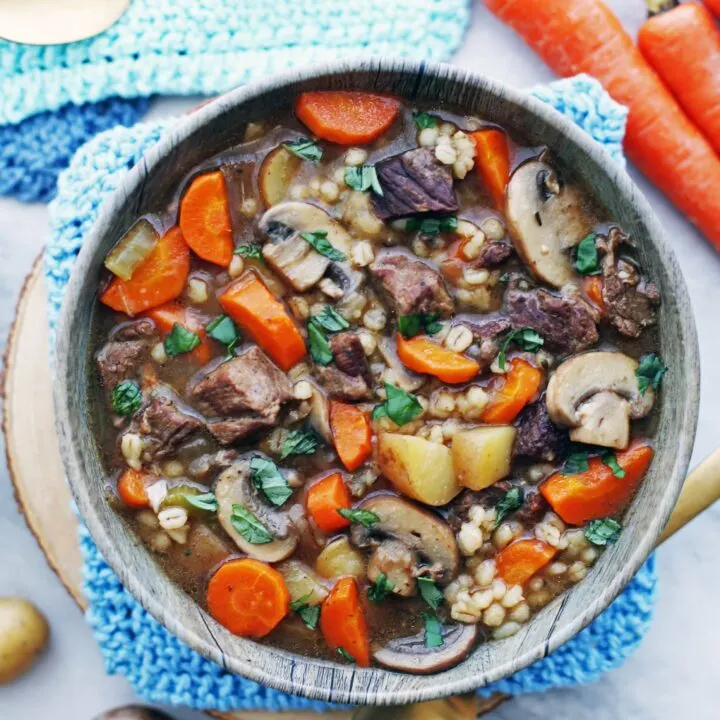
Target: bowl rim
338,685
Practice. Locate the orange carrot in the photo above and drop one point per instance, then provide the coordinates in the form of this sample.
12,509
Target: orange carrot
131,488
342,622
683,47
346,118
324,498
519,386
257,311
159,279
593,287
518,562
351,434
453,266
575,36
166,316
492,162
248,597
425,356
714,5
597,492
205,218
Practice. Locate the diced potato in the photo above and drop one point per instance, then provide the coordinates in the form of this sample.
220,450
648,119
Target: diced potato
338,559
302,582
482,456
418,468
276,172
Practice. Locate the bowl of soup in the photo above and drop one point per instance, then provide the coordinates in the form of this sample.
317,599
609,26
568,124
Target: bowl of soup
376,382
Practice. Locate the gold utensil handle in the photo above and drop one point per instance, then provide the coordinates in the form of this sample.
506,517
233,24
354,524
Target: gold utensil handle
700,490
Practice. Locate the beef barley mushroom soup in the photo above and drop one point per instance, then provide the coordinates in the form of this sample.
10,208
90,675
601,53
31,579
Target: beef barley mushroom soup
378,383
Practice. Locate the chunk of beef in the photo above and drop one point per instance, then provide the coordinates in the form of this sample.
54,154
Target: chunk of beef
414,182
630,299
245,394
411,285
533,508
121,358
349,354
164,426
341,385
493,254
538,438
488,336
566,322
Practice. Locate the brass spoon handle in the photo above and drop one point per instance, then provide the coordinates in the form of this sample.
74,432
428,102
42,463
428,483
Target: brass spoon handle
700,490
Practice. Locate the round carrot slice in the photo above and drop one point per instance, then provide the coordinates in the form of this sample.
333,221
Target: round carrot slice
248,597
159,279
131,489
346,118
205,219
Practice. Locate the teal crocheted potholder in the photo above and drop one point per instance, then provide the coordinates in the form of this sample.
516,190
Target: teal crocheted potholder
159,666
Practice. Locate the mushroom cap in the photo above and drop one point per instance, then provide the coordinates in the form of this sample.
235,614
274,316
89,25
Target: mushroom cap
597,394
545,219
418,529
235,487
409,654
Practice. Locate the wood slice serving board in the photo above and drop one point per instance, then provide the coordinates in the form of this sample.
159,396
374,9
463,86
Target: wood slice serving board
37,475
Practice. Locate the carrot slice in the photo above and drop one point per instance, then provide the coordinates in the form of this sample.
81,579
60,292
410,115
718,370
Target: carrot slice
492,162
593,287
597,492
324,498
518,388
248,597
346,118
159,279
425,356
518,562
167,315
351,434
342,621
131,488
205,218
257,311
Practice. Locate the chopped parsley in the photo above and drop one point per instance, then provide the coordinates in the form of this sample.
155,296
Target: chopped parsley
224,330
319,345
310,614
269,480
363,178
526,338
576,463
400,406
412,325
249,526
433,631
432,225
430,593
424,120
206,501
345,655
254,252
650,372
300,441
363,517
511,501
126,397
331,320
586,256
602,532
180,340
380,589
319,242
609,458
305,149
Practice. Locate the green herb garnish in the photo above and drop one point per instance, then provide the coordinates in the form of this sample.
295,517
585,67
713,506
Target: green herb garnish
609,458
305,149
650,372
576,463
126,397
400,406
432,225
345,655
310,614
433,631
363,178
267,478
249,526
318,240
363,517
430,593
224,330
299,442
331,320
319,345
180,340
526,338
254,252
412,325
511,501
380,589
206,501
424,120
586,256
602,532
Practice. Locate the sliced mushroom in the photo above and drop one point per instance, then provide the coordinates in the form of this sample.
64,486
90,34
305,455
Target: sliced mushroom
320,415
546,218
421,532
409,654
397,562
235,487
596,395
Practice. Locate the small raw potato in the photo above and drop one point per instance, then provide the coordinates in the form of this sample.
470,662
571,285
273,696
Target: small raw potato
133,712
418,468
483,456
276,172
339,559
23,634
302,582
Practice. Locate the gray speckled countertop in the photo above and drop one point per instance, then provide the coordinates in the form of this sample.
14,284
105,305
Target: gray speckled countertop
676,673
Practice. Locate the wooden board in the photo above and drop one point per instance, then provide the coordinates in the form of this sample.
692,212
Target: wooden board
41,491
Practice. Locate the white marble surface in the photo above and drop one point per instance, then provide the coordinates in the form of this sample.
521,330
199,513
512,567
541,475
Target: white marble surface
674,674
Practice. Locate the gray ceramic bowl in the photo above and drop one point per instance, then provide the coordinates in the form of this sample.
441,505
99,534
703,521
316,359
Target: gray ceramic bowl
149,186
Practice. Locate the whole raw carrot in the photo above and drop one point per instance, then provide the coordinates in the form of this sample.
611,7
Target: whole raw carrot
575,36
683,46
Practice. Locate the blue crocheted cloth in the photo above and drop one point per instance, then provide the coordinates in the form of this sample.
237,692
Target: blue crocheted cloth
188,47
159,666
